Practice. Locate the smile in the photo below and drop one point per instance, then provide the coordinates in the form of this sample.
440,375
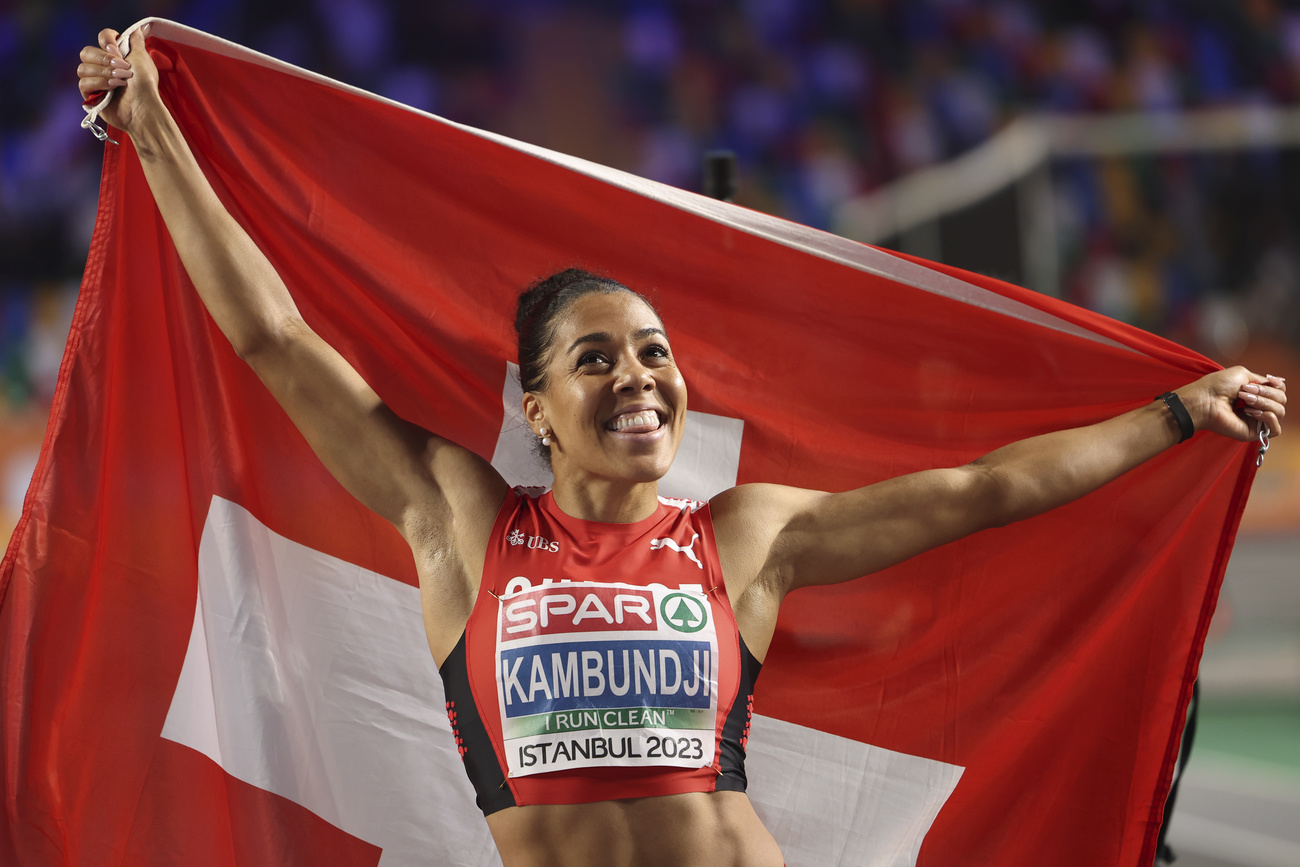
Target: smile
637,421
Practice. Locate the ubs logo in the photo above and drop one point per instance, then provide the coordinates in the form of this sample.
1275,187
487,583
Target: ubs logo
542,544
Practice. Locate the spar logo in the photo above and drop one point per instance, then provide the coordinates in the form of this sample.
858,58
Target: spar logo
570,608
684,613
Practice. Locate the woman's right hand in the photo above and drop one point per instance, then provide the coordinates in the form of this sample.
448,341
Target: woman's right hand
103,68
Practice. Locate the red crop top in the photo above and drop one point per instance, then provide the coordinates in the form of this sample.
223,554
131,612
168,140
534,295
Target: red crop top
601,661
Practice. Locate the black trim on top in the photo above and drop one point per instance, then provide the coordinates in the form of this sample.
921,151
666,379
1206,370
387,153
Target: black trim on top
475,746
735,731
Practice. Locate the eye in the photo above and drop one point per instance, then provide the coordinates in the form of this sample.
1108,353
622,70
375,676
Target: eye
656,350
593,357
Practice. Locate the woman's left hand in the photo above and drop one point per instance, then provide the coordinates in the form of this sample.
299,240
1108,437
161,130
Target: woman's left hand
1210,401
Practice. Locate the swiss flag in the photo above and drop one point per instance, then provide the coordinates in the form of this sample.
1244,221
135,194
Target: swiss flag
211,655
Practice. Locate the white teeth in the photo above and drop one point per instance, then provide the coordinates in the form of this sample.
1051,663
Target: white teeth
640,419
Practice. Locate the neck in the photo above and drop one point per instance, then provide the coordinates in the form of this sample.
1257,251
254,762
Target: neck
614,502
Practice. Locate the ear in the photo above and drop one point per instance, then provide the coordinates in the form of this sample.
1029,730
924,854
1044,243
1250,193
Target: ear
534,414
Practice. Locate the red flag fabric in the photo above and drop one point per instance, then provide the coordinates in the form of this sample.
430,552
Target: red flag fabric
211,654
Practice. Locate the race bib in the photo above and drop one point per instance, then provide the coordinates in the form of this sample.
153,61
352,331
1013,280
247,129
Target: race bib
600,675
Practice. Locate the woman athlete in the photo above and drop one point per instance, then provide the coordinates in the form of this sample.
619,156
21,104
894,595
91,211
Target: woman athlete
605,398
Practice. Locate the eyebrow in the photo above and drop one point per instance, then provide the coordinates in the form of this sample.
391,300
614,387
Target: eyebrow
606,337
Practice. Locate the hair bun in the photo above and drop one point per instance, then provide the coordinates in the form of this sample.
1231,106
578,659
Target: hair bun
538,298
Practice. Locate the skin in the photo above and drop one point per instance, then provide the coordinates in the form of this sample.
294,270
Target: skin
610,357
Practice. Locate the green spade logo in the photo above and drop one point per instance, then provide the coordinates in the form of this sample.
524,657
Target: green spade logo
684,613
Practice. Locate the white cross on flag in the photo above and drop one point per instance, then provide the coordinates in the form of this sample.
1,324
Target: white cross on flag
211,655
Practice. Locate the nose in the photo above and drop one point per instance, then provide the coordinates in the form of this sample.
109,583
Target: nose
634,377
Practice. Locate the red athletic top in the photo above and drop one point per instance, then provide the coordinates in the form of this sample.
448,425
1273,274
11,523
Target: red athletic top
601,661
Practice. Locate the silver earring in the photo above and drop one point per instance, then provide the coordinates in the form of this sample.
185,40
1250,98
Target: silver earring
546,441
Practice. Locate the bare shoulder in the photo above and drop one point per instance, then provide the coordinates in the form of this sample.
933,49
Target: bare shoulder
759,507
748,520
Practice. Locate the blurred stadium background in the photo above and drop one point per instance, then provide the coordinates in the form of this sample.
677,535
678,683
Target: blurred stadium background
1138,158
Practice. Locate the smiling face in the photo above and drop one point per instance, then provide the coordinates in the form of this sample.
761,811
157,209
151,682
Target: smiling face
614,402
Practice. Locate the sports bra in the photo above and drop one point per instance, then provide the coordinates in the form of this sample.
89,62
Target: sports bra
600,661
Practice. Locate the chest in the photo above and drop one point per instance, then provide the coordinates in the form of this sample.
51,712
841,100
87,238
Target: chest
603,649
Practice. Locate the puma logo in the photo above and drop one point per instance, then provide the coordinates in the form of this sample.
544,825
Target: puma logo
656,544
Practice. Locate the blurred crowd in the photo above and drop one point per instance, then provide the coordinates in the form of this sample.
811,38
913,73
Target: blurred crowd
1200,248
822,101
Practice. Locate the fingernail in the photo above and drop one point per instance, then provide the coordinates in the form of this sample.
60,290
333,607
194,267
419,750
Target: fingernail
1251,387
1254,413
118,64
120,73
1249,398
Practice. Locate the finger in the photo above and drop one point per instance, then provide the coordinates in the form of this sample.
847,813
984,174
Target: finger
1271,406
93,56
91,70
1260,389
1262,401
1267,419
93,79
108,40
89,84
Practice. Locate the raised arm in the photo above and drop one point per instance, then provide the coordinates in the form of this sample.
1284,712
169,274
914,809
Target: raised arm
423,484
785,538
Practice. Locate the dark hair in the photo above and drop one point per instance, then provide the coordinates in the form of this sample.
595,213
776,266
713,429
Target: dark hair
541,304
